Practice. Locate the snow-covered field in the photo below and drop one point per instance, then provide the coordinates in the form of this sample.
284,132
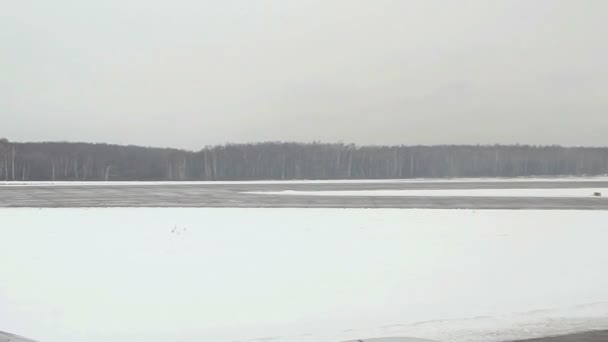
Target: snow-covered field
300,275
558,192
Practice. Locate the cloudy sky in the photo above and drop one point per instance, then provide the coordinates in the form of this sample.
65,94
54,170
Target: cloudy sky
187,73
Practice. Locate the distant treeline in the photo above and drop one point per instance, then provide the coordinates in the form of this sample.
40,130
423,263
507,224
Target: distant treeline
63,161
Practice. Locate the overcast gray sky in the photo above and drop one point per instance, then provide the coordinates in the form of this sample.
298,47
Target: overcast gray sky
187,73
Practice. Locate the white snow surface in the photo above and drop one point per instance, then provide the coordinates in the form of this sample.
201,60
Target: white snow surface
553,192
330,181
300,275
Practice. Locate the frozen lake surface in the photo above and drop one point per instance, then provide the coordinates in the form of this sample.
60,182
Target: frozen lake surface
300,275
325,181
527,193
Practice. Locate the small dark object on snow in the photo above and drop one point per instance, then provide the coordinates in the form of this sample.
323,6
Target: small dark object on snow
597,194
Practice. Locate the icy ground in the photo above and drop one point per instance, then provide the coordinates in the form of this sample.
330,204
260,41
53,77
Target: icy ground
300,275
